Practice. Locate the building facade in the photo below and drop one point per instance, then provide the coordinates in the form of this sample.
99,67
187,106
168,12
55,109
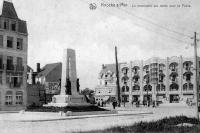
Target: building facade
167,80
106,87
49,77
13,59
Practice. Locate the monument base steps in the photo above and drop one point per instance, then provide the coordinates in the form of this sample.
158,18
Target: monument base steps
67,100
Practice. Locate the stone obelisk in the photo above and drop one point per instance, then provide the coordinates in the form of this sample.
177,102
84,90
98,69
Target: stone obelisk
69,71
68,75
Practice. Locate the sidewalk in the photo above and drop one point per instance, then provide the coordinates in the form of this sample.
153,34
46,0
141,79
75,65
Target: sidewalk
49,116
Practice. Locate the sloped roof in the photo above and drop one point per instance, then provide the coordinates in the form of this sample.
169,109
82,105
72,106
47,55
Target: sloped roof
8,10
108,67
29,68
47,69
22,26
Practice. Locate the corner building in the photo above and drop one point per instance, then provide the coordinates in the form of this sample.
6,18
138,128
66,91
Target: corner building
167,80
13,59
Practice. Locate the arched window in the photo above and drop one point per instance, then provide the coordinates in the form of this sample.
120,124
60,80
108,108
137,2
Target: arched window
136,87
125,88
174,87
185,87
147,87
173,66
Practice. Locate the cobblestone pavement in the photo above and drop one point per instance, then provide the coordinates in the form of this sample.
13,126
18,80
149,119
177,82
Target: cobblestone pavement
64,126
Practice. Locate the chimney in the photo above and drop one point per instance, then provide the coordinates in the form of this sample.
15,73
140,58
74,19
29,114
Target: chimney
38,67
103,66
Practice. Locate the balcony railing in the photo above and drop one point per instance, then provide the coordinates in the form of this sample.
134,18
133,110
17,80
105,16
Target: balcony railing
19,68
10,67
174,69
136,73
173,89
1,66
135,90
17,85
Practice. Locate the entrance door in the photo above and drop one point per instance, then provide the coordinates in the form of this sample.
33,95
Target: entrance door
174,98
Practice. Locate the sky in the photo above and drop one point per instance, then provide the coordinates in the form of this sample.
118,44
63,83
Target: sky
138,32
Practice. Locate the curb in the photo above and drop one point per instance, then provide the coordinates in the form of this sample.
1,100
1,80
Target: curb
84,117
5,112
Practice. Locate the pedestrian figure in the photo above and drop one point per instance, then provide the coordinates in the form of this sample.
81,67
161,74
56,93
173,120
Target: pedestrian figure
148,103
157,104
98,104
143,102
114,103
138,103
154,104
132,102
101,103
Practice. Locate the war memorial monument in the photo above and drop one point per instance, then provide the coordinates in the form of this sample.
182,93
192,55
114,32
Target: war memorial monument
69,95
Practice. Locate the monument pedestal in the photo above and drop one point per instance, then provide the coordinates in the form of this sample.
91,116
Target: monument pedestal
69,82
68,100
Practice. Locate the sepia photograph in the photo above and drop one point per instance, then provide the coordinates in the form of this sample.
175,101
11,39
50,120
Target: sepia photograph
99,66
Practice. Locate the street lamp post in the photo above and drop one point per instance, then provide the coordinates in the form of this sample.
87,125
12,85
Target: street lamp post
148,86
195,75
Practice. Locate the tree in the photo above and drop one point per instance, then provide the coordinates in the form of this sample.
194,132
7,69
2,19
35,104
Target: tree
89,94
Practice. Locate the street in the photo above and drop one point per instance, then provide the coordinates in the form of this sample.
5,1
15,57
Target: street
93,123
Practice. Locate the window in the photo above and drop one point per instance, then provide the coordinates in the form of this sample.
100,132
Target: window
1,40
127,89
17,81
0,23
6,24
10,63
8,75
0,77
10,42
13,26
19,97
1,62
19,43
188,77
19,66
19,61
14,81
9,98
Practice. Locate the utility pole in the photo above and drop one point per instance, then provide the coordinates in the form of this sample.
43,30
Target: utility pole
196,87
117,75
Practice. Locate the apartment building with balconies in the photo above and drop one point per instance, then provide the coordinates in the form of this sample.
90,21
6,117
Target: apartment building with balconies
13,59
168,80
